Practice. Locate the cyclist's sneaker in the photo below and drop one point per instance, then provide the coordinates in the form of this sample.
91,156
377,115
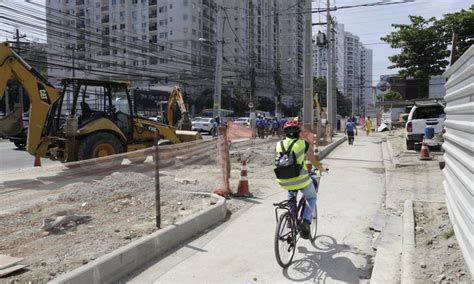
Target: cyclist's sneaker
304,229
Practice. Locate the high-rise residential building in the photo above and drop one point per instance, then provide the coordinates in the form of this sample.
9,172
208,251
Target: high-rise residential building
291,49
366,93
153,41
352,70
249,40
320,58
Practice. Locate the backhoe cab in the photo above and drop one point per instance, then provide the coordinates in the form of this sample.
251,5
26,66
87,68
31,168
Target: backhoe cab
87,119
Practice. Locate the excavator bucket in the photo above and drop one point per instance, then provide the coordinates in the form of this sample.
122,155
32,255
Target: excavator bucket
12,123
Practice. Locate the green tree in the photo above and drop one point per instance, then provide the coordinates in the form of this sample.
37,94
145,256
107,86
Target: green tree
265,104
343,105
390,96
462,23
319,87
423,52
424,42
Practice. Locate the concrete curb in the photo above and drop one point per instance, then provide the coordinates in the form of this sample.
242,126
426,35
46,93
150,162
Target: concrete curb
408,243
395,160
121,262
331,147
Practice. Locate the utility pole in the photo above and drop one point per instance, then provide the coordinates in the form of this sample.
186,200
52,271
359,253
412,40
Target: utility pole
277,76
333,64
253,86
308,76
330,105
216,110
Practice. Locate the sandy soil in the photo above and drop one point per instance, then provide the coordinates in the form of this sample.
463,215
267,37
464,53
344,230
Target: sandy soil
121,209
438,257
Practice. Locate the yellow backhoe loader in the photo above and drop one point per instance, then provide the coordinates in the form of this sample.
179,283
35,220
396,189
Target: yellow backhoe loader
86,119
177,97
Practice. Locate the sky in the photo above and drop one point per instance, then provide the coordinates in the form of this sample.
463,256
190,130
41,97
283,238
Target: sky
369,23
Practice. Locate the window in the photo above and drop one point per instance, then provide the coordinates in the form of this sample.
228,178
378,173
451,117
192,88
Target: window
114,2
171,19
194,32
143,37
185,2
185,17
122,26
171,6
143,25
122,1
162,9
122,13
194,18
134,1
114,51
185,30
171,32
97,5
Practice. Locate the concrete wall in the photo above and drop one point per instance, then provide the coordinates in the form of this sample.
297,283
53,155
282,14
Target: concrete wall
459,152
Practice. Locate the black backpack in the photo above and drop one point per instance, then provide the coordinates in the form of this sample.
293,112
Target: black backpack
286,165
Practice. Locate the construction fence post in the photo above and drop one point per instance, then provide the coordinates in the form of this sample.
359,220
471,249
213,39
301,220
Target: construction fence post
156,159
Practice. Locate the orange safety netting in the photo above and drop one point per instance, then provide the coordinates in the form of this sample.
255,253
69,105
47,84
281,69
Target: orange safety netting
235,130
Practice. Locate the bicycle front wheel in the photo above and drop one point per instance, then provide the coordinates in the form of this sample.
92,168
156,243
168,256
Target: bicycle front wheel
314,224
285,240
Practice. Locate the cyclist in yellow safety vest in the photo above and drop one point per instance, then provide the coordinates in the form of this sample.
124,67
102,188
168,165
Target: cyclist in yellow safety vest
303,182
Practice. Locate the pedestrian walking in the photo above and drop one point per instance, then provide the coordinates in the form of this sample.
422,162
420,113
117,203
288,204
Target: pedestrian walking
276,126
350,130
368,125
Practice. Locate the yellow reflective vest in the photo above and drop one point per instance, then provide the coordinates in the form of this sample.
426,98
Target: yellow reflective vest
303,179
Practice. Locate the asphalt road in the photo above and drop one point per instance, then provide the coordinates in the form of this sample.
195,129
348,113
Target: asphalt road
12,158
241,250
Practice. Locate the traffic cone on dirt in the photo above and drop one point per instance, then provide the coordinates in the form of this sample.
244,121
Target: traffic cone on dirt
425,152
243,187
37,161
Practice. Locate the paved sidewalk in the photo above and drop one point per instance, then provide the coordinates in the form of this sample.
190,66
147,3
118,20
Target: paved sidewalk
241,250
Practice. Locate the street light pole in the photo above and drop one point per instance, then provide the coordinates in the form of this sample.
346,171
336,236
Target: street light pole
216,110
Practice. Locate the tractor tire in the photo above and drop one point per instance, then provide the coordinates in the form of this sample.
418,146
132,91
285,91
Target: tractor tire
20,145
97,145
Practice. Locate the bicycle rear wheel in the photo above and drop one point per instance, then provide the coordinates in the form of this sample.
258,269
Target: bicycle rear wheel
314,224
285,240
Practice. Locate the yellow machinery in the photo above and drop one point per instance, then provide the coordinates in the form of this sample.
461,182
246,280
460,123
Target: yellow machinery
87,119
177,97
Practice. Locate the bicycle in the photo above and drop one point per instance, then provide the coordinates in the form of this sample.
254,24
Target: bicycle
286,232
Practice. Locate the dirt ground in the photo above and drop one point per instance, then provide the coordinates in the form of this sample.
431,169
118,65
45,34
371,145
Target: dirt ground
112,210
438,257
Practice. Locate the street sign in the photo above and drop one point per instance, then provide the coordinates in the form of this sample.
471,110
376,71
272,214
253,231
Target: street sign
383,87
250,105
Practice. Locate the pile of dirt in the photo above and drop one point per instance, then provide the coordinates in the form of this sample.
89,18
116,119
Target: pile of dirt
438,257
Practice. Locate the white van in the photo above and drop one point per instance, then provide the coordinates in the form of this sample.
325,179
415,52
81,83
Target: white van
420,117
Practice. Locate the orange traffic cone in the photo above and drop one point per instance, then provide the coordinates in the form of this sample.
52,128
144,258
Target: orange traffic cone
309,165
425,152
243,187
37,161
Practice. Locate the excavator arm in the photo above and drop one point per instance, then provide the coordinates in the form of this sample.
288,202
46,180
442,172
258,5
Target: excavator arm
41,93
177,97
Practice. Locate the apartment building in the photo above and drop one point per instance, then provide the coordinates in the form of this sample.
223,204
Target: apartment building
320,58
291,49
249,40
366,68
143,41
352,70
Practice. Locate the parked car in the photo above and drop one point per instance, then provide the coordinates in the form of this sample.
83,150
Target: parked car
243,120
420,117
203,124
